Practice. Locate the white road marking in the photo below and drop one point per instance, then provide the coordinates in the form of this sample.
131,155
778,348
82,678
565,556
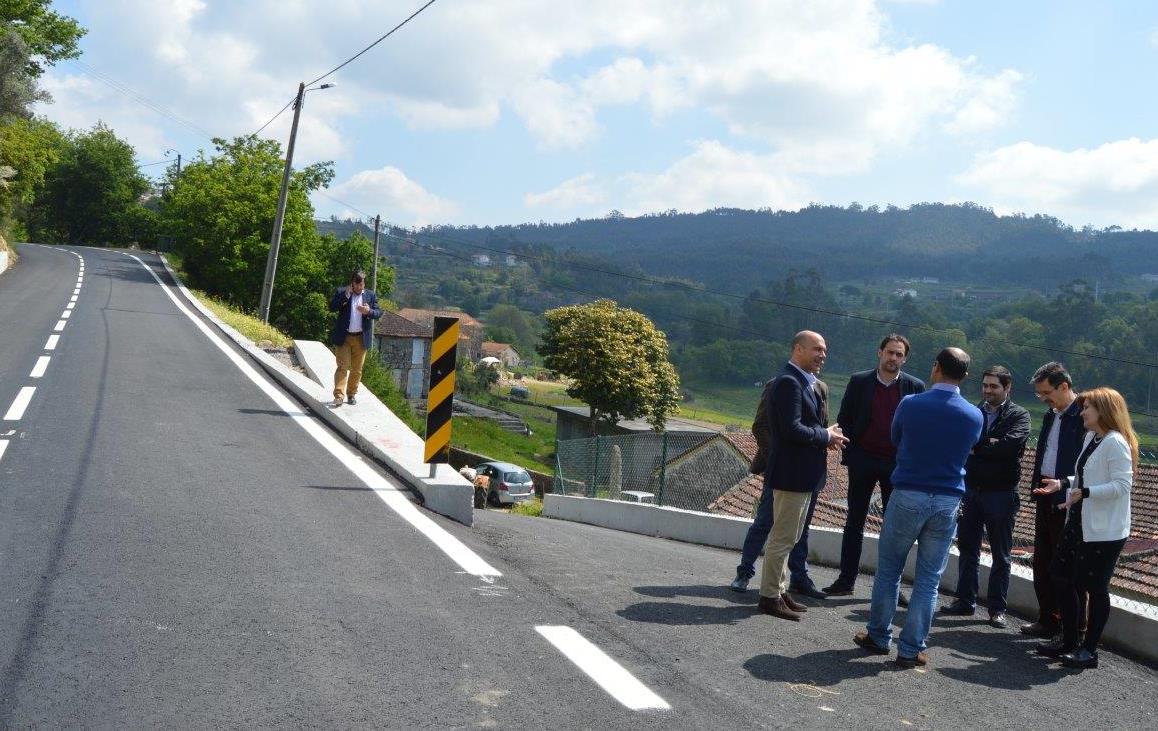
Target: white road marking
52,341
608,674
3,446
40,367
467,559
72,300
58,326
70,305
66,314
16,410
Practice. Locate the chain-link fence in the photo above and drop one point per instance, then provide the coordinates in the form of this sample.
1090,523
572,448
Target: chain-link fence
709,472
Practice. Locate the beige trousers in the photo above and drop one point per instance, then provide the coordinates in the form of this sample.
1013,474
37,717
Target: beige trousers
350,356
789,509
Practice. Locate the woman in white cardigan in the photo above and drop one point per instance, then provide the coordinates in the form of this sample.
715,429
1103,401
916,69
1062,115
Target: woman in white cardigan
1098,523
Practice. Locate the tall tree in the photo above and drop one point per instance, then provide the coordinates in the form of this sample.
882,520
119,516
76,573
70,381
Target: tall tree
91,195
48,36
617,361
221,213
28,148
18,88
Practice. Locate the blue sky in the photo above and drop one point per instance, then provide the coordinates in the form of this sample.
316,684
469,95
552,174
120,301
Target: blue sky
505,111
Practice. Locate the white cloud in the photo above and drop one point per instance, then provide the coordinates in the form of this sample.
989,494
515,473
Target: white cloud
1114,183
580,192
714,176
1153,38
400,199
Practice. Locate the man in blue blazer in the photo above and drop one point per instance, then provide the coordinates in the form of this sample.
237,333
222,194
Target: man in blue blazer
797,465
351,336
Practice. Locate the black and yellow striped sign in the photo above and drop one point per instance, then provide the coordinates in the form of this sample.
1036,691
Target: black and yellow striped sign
440,400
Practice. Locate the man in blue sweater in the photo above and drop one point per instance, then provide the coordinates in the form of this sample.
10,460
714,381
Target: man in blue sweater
934,432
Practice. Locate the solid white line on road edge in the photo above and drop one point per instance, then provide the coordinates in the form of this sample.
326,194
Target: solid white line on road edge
58,326
3,446
52,341
16,411
608,674
40,367
467,559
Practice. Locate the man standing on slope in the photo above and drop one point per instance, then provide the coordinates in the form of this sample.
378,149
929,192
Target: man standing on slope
934,432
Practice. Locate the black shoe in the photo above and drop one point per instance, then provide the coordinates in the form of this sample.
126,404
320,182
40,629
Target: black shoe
1055,648
998,620
863,639
351,400
740,583
1080,658
902,600
838,589
1037,629
958,609
808,590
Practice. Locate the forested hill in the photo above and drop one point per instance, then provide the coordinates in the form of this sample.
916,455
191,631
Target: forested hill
741,249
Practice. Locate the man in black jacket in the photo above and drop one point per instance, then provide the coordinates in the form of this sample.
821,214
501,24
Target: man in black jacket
1058,447
865,418
992,474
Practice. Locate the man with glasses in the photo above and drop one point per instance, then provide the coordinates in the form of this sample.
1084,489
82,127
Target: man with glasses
1058,446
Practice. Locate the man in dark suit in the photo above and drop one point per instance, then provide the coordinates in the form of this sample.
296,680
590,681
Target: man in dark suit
357,308
1058,447
797,465
866,416
800,582
990,505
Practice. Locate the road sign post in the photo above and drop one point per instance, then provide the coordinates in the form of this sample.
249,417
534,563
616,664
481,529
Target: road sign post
440,396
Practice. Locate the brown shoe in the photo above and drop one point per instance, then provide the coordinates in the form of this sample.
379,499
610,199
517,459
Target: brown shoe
777,607
1038,629
862,639
793,604
921,660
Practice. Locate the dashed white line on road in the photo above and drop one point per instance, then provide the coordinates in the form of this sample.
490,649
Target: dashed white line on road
66,314
455,549
70,305
52,341
72,301
16,410
607,674
3,446
40,367
58,326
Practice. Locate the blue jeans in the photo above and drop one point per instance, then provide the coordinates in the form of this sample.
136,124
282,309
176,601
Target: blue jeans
992,513
758,536
930,520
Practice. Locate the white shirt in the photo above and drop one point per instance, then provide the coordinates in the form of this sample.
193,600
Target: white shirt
1049,456
355,315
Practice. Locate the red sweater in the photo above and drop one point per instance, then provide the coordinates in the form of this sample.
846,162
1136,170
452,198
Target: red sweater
877,440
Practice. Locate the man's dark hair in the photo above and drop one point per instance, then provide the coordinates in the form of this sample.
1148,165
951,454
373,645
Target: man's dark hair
358,276
1001,373
954,363
896,338
1053,372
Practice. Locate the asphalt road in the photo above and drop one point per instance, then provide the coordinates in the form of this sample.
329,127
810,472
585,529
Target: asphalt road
176,550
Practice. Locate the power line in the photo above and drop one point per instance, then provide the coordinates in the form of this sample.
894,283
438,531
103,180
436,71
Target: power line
279,113
151,164
140,98
367,48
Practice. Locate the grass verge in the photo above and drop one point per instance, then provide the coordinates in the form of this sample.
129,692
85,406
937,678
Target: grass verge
532,507
480,436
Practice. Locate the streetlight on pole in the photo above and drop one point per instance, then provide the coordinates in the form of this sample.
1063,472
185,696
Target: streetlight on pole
374,268
279,218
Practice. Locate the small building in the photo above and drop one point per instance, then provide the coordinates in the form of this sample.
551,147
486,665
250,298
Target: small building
404,348
503,351
482,260
470,335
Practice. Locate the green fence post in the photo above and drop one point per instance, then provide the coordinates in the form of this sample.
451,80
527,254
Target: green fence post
662,470
560,487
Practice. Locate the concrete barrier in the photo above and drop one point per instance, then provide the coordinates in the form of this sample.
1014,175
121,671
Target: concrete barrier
1129,630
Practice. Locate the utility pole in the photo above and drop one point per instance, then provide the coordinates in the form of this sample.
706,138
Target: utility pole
275,238
374,268
178,164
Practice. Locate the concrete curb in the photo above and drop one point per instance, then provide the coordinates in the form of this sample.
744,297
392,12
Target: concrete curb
373,429
1128,631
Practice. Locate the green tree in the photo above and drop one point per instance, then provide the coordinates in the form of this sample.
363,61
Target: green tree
220,213
343,256
49,36
617,361
29,148
18,89
91,195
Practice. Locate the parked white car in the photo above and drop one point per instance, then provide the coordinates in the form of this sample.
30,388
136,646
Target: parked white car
509,483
